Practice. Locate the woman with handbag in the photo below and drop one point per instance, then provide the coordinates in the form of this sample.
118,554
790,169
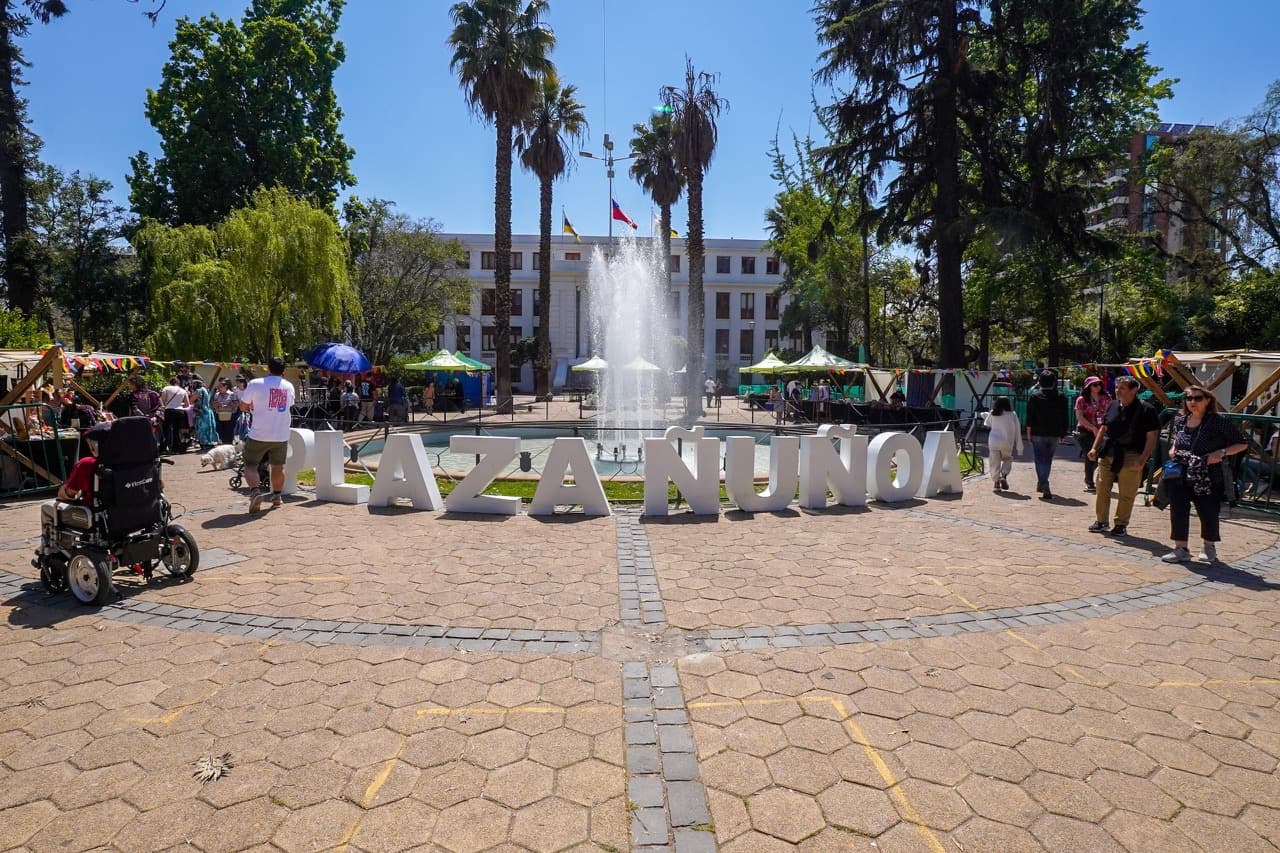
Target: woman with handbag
1201,438
1091,408
226,408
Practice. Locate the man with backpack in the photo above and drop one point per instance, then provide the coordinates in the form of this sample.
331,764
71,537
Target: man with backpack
1046,425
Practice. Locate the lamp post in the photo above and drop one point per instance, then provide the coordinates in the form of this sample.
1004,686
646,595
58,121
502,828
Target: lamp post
608,160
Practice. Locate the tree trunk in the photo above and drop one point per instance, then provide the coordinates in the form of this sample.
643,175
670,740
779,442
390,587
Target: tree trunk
664,220
20,269
502,266
542,363
1053,322
696,362
946,210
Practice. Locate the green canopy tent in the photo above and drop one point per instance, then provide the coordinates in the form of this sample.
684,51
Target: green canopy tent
446,362
475,365
768,366
818,360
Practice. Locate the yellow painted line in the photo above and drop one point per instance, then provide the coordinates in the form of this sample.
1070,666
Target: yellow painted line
1236,682
369,793
894,788
1068,667
967,603
164,720
739,703
524,709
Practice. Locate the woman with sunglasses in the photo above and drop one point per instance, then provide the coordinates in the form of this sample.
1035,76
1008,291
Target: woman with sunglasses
1201,439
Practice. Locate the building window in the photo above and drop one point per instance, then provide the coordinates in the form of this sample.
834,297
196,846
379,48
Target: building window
537,260
797,341
462,334
771,265
771,301
517,260
722,306
488,261
723,264
464,262
722,341
747,310
516,370
489,301
517,302
537,303
675,263
488,336
771,340
674,306
748,265
746,343
573,256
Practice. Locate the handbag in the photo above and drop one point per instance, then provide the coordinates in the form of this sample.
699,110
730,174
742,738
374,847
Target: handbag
1172,470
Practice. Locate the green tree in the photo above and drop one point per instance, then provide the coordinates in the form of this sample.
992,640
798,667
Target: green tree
92,278
1067,89
22,260
18,331
405,276
556,121
695,106
653,166
270,279
909,80
500,51
245,105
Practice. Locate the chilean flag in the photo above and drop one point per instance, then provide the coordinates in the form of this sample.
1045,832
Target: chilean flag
622,217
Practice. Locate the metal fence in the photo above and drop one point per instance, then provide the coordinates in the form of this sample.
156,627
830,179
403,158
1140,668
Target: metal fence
35,455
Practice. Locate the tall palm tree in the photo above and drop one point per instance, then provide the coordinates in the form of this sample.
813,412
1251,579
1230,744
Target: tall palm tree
22,256
556,120
500,50
695,106
654,167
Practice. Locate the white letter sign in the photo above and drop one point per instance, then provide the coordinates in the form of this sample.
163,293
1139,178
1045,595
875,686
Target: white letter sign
739,477
569,454
331,484
900,448
700,487
820,466
404,472
496,454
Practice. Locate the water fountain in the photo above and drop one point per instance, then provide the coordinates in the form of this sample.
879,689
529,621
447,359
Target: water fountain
630,329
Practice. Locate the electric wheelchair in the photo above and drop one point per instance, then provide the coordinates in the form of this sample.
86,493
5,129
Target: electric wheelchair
129,525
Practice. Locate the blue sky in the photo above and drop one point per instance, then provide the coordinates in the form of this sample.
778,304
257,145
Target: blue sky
417,144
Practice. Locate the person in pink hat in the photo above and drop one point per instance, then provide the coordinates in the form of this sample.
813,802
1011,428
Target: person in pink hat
1091,408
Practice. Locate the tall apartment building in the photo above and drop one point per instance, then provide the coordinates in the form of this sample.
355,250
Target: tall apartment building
1140,206
739,282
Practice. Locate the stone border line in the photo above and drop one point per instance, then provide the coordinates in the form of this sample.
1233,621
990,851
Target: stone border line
667,800
639,598
26,591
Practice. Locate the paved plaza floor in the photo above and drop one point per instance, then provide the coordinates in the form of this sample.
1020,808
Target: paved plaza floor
974,673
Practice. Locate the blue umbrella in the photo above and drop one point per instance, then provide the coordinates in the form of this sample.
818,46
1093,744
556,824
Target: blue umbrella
338,358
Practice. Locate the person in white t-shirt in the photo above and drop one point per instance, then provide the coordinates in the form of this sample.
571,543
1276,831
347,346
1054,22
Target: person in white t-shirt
270,398
176,427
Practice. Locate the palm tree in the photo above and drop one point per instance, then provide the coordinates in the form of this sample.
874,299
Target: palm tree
500,50
22,259
654,167
556,120
694,109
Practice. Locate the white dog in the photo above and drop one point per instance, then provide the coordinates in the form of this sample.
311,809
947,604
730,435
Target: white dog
222,456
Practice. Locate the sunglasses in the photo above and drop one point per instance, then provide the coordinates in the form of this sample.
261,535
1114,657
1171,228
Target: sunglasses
1195,398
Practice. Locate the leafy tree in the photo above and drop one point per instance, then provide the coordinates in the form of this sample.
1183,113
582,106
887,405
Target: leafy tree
695,106
909,78
405,276
18,331
92,278
556,121
269,279
245,105
22,261
500,51
653,166
1066,90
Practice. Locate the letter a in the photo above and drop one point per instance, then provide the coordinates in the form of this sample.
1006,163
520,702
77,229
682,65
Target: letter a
569,454
941,465
404,472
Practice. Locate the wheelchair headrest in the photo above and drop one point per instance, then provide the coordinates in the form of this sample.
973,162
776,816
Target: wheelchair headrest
127,441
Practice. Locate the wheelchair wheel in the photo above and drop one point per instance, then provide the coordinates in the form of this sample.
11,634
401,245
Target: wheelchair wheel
182,556
88,577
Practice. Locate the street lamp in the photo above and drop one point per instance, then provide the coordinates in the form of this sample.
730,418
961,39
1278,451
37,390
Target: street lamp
609,160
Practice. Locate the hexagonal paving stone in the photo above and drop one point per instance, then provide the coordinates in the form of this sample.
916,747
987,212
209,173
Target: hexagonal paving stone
590,782
519,784
550,825
863,810
802,770
785,814
472,826
495,748
317,827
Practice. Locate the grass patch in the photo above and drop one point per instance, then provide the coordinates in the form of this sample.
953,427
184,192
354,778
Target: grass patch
616,491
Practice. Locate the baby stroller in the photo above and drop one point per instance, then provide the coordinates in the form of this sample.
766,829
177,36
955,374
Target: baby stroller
236,480
130,522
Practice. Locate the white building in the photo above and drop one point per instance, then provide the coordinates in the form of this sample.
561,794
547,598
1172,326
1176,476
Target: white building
739,284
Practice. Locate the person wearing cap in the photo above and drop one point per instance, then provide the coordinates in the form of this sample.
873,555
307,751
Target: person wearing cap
1091,408
1046,425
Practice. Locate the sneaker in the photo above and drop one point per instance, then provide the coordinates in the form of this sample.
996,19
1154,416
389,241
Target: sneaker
276,501
1119,530
1099,527
1046,495
255,502
1208,554
1004,484
1093,490
1177,555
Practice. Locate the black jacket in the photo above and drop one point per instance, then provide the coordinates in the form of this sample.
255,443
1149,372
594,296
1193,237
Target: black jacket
1047,412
